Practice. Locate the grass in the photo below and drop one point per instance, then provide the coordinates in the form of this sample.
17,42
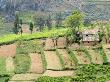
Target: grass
25,47
11,38
61,59
22,63
72,56
2,65
43,58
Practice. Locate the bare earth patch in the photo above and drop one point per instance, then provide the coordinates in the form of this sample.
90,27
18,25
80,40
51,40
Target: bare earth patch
36,63
82,59
59,73
25,77
96,58
8,50
53,61
9,65
49,44
67,61
61,42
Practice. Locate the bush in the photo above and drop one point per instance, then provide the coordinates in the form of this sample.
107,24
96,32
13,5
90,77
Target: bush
54,79
22,63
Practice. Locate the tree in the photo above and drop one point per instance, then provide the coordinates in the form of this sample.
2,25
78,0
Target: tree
16,24
58,19
48,22
40,20
20,26
73,22
31,27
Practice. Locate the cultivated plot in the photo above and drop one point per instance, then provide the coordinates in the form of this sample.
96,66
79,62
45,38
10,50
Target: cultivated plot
67,61
10,65
82,58
53,61
96,57
36,63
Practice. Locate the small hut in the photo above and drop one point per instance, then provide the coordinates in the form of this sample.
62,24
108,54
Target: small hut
90,37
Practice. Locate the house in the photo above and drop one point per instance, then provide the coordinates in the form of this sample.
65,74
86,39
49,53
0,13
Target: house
90,37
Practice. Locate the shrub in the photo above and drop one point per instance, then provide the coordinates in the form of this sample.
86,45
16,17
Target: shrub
22,63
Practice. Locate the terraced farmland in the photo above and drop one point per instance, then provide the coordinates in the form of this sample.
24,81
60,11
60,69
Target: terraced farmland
53,62
81,57
68,62
96,58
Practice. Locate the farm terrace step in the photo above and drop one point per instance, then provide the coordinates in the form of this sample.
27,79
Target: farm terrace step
25,77
59,73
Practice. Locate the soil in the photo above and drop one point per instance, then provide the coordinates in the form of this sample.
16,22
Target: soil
25,77
49,44
59,73
67,61
36,63
53,61
96,58
82,59
8,50
61,42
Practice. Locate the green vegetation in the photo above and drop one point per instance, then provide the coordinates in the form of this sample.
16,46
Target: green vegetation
2,65
43,58
61,59
54,79
86,53
13,37
25,47
85,73
72,56
22,63
4,78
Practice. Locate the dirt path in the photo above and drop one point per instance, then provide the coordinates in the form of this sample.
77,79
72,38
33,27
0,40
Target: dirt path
82,59
67,61
107,51
25,77
9,65
53,61
96,58
36,63
59,73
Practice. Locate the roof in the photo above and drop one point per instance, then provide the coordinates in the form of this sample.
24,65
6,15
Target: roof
92,35
90,31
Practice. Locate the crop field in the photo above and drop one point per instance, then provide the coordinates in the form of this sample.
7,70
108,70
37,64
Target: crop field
68,62
53,62
36,63
82,58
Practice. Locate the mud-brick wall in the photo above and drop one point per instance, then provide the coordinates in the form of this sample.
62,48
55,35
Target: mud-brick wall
8,50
